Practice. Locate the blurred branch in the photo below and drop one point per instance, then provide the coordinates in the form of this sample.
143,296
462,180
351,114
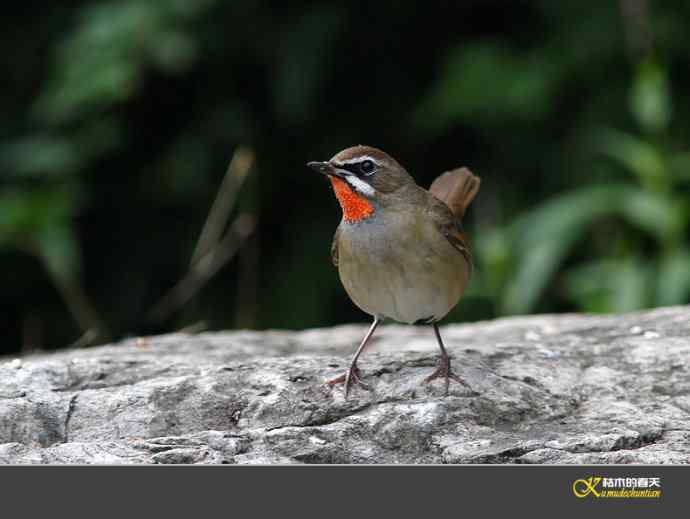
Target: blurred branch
81,309
245,316
205,268
88,338
211,252
248,266
237,171
193,328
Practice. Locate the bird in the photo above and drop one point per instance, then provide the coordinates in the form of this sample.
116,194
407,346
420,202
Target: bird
400,249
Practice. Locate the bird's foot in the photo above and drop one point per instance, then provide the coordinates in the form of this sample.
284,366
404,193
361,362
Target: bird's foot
351,378
445,372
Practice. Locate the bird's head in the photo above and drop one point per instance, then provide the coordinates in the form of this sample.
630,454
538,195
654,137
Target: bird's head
363,178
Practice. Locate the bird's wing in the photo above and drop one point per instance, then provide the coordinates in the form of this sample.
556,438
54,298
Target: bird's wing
334,247
449,226
456,188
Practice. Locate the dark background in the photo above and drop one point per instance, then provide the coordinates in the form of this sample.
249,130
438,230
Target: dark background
120,118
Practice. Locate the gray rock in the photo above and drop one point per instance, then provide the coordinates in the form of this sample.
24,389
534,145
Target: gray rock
546,389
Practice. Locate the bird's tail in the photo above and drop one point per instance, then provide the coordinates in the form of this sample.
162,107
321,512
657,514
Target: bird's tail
457,188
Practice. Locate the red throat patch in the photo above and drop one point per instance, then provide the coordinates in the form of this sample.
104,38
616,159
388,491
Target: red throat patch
355,206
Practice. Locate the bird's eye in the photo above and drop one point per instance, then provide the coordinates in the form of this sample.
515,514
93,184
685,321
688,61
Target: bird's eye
367,167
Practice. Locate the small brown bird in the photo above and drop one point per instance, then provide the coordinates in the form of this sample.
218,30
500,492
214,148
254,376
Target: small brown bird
400,250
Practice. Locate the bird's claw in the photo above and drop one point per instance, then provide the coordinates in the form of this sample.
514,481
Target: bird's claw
444,371
351,378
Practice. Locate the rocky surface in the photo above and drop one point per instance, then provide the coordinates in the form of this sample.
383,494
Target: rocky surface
546,389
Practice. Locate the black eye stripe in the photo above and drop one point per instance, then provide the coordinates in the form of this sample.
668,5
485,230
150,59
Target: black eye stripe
352,168
356,167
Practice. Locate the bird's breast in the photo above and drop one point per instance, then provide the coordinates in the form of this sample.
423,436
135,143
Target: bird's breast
400,266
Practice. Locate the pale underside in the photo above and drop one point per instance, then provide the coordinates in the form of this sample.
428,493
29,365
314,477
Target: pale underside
401,267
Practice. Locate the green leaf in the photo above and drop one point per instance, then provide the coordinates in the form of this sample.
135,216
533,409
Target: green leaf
637,156
658,214
679,167
489,83
673,282
103,60
535,269
650,97
610,285
24,214
493,247
57,247
40,221
543,237
39,156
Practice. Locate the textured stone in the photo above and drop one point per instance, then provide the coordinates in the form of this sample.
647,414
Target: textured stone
546,389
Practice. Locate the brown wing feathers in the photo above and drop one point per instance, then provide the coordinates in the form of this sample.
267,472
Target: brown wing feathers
456,188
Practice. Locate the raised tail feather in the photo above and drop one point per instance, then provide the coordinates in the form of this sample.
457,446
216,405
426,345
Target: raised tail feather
457,188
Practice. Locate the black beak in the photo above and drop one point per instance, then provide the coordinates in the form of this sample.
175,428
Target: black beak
322,167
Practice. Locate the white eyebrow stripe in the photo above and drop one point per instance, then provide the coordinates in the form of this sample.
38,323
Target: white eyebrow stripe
360,185
361,158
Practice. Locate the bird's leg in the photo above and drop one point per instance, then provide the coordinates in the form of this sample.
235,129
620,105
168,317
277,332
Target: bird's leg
352,377
443,370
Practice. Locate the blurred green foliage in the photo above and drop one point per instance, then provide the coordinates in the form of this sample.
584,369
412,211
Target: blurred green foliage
121,116
639,227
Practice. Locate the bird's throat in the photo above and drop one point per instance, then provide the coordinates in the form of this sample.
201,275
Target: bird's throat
355,206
